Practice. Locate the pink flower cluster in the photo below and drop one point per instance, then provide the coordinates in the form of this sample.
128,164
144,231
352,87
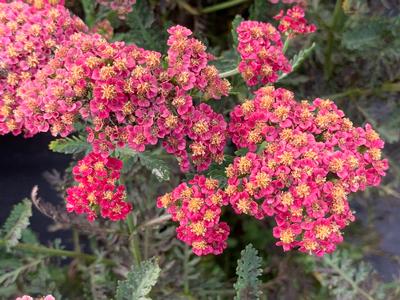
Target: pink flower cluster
98,191
188,64
121,7
313,159
28,38
197,208
38,4
129,98
294,22
26,297
261,51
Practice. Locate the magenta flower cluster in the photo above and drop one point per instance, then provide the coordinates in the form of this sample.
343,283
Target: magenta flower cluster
28,38
197,208
98,191
261,51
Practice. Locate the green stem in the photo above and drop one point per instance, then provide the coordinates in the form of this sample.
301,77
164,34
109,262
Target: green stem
348,279
39,249
223,5
209,9
328,67
286,45
133,240
186,6
75,238
229,73
154,222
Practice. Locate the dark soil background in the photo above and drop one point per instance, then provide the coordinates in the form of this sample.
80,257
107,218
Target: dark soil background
22,165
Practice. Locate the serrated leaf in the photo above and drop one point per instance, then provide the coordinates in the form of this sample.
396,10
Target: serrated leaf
248,285
366,33
139,282
347,279
298,59
241,152
157,166
10,270
16,223
125,151
143,31
227,61
70,145
235,23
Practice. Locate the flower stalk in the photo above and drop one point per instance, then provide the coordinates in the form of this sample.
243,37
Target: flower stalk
39,249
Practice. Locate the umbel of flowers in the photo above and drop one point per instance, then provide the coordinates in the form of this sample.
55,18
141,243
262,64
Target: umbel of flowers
28,38
98,190
197,208
311,159
304,158
129,98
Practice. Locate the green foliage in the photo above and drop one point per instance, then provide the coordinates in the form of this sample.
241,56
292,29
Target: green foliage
348,280
150,160
259,10
235,24
70,145
11,269
143,31
140,281
156,165
298,59
248,270
369,33
229,59
89,9
16,223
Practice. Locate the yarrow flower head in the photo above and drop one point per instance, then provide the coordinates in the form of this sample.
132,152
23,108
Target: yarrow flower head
97,191
293,22
197,207
26,297
121,7
261,52
28,37
304,161
130,98
188,64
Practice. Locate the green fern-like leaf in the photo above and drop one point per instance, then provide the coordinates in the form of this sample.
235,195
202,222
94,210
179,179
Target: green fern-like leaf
248,270
259,10
298,59
11,269
157,166
235,23
347,280
16,223
70,145
228,60
143,30
140,281
367,33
